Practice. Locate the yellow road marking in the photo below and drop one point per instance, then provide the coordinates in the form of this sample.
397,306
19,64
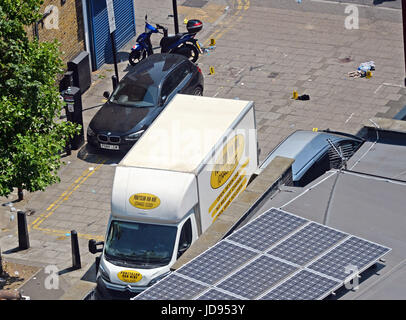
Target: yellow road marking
63,197
225,27
247,5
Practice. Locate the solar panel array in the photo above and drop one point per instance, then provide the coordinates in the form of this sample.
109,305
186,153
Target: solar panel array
277,256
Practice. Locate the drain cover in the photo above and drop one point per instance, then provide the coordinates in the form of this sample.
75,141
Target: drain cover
195,3
273,75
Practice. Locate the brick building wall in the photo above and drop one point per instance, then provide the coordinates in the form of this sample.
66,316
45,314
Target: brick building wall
65,24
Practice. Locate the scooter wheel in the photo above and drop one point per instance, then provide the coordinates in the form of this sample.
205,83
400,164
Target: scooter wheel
136,56
189,51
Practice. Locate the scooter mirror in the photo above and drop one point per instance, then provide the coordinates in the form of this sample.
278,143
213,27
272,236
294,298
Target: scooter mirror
163,99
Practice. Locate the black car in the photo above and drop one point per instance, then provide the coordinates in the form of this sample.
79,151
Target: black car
140,97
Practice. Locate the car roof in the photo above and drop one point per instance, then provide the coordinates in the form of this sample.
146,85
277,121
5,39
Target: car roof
304,146
158,65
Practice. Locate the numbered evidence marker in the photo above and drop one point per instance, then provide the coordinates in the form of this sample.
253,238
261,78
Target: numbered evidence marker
211,70
295,95
369,74
315,129
185,21
212,42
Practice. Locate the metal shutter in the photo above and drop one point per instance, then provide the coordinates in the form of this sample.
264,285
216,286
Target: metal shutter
100,33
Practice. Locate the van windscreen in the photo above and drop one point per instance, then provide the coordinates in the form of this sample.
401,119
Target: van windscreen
142,244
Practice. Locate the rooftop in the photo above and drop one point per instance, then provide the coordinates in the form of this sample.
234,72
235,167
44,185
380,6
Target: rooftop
367,200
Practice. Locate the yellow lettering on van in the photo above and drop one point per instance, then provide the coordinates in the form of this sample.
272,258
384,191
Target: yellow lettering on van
144,201
129,276
227,161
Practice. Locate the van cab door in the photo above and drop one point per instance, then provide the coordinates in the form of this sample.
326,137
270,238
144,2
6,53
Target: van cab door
188,235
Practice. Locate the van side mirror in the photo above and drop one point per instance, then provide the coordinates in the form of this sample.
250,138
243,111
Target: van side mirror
93,246
106,94
163,100
182,248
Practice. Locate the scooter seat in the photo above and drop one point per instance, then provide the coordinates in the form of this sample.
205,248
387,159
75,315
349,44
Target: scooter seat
167,41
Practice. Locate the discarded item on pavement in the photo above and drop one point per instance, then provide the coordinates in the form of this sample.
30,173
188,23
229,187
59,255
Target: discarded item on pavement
364,70
296,96
367,66
304,97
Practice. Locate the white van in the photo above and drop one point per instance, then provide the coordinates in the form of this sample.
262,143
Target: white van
186,169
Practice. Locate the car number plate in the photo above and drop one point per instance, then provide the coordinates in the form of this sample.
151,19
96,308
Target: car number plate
109,146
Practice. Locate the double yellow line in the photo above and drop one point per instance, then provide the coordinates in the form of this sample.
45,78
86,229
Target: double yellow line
241,6
62,198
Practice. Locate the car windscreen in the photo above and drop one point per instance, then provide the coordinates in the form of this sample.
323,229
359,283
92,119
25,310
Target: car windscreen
136,90
140,243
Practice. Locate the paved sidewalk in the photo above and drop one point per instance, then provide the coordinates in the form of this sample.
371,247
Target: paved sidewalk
81,201
264,51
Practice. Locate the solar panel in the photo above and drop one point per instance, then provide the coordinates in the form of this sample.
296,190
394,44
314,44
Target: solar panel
307,243
304,285
214,294
172,287
267,229
276,256
257,277
354,252
217,262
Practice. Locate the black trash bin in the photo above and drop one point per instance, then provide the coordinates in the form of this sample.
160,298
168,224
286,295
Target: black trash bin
73,99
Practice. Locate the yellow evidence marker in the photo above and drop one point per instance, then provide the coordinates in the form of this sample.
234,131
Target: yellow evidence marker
211,70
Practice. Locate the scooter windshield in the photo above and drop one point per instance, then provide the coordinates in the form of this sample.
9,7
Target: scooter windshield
144,245
149,28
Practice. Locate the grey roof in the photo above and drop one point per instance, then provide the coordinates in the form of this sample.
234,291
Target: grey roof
368,204
305,147
383,160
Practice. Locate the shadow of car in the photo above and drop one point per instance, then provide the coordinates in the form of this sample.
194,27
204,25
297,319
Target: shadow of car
313,153
139,98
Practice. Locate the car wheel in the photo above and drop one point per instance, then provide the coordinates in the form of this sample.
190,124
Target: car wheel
198,91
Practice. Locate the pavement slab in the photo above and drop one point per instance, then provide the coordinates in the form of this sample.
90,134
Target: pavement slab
264,51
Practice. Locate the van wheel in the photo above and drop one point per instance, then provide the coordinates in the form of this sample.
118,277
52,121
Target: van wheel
198,91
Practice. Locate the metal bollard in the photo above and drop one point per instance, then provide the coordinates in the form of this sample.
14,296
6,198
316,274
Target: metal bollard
75,250
97,264
23,238
1,265
114,80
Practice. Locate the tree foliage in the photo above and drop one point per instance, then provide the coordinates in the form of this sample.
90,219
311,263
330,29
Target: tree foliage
31,135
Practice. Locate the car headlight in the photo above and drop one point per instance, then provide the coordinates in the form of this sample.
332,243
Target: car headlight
90,132
134,136
104,273
155,280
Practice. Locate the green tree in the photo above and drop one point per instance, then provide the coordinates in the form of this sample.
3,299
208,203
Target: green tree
31,136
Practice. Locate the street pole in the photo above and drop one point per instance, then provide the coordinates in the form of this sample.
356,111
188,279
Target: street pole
175,16
112,27
113,45
404,32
